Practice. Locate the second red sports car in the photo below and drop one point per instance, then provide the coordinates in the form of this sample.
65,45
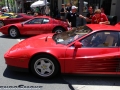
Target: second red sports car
37,25
93,49
20,17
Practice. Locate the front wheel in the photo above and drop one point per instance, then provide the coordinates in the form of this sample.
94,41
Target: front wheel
14,32
44,66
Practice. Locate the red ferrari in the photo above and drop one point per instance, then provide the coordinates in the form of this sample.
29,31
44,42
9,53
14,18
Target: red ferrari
91,49
37,25
18,18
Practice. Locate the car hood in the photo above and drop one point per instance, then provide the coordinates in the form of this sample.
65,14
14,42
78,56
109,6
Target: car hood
40,41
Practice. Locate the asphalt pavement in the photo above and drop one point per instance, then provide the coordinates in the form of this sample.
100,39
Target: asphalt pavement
10,79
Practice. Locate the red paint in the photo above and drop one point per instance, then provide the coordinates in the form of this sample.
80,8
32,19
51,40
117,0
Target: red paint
72,60
35,29
23,17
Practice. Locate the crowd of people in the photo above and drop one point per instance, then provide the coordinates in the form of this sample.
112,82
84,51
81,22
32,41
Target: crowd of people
69,13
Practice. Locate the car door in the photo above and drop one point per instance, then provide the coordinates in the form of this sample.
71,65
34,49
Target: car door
98,55
118,70
32,27
46,26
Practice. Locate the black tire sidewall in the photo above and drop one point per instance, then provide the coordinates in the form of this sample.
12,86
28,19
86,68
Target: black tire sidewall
48,57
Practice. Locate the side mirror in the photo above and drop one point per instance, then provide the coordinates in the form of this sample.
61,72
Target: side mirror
22,24
78,44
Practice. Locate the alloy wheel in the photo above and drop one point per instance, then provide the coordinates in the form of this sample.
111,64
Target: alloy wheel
44,67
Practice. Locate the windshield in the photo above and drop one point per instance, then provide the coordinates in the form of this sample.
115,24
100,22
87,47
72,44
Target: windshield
72,35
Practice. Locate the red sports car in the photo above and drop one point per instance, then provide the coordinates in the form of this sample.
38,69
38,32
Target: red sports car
37,25
18,18
91,49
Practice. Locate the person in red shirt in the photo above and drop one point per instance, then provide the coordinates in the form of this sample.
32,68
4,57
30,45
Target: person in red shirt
99,18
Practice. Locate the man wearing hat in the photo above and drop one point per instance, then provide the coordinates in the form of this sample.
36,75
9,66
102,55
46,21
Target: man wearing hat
72,16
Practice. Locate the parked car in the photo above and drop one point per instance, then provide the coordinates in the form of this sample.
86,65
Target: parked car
90,49
18,18
7,15
37,25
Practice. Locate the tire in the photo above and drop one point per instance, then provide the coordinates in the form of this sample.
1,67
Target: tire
14,32
44,66
58,30
1,23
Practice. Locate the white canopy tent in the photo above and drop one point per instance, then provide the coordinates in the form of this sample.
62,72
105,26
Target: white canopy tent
5,7
39,3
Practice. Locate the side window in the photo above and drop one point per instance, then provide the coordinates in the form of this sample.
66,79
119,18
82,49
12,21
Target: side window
18,16
45,20
101,39
35,21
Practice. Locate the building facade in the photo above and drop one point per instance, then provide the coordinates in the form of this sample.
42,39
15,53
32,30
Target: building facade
115,5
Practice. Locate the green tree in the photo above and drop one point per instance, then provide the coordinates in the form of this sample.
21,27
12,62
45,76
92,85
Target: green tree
11,5
2,3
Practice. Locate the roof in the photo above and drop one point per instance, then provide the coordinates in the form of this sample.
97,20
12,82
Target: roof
42,17
103,27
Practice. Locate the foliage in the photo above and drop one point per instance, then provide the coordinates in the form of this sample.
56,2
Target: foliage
2,3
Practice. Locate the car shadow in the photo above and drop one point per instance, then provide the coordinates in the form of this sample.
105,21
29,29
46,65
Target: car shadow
66,79
27,76
102,80
4,36
8,37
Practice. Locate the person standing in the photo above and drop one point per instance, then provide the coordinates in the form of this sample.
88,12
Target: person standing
68,7
62,12
71,17
99,18
37,10
89,16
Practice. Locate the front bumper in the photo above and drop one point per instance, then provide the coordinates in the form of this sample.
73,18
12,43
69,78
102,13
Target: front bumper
16,62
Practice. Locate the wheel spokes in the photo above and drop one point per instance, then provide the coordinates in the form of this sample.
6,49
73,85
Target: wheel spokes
43,71
44,67
13,32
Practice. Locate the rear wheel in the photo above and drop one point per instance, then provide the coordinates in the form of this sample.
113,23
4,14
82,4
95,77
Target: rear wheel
14,32
1,23
44,66
58,30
